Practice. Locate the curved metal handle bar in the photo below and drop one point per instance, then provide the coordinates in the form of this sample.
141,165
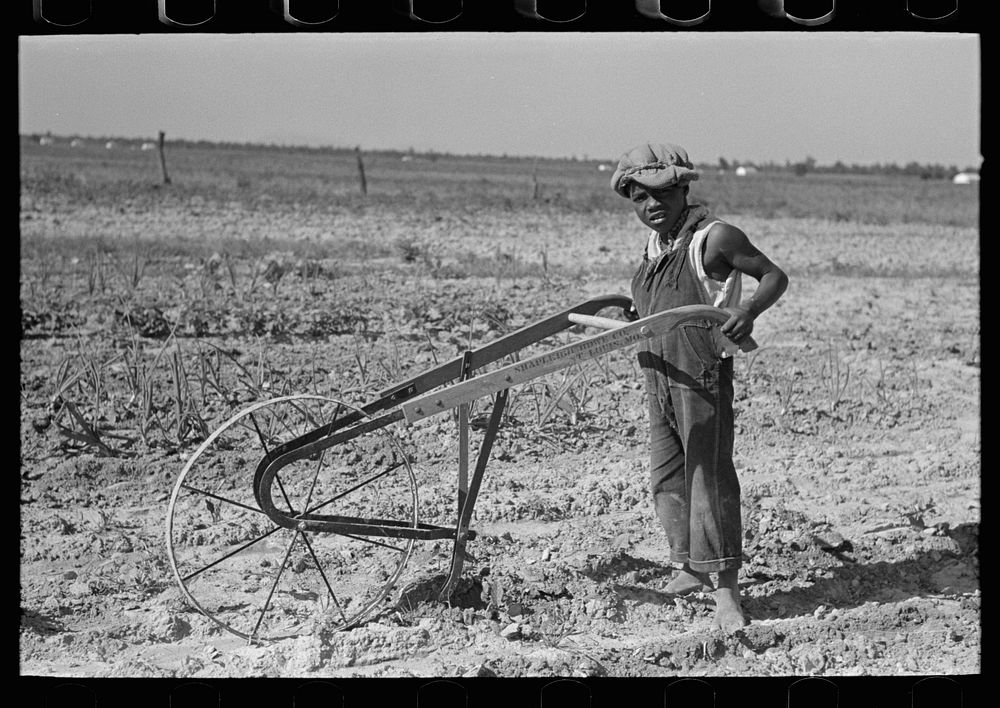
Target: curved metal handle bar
430,403
657,324
449,371
496,350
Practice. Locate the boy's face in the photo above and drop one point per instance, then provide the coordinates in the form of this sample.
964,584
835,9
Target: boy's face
658,209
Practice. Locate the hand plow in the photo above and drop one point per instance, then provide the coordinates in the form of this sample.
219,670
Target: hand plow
303,507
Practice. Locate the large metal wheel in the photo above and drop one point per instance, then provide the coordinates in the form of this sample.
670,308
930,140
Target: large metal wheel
262,581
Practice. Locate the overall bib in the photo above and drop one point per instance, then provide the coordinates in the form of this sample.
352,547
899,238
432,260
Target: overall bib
696,493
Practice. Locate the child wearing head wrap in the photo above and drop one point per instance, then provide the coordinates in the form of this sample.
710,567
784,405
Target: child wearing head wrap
690,257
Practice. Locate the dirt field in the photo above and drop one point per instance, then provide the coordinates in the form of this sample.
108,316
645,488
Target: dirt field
152,312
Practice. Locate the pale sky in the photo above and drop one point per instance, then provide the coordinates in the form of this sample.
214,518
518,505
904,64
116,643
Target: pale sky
861,97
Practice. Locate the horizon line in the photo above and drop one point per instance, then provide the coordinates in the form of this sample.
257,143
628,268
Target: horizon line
735,162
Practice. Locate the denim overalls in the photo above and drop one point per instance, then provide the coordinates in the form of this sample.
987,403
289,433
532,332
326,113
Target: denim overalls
696,493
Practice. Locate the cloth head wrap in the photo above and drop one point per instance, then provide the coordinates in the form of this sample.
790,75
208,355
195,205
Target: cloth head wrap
653,165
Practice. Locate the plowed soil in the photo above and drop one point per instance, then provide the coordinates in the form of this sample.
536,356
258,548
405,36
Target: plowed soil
858,423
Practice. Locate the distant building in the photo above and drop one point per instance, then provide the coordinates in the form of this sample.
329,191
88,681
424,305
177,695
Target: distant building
76,142
603,168
744,170
965,178
110,145
148,146
46,140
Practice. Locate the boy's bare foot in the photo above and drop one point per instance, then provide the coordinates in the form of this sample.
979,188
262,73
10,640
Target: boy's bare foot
687,581
728,611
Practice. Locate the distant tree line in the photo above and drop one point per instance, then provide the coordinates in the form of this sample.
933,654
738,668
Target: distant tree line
809,165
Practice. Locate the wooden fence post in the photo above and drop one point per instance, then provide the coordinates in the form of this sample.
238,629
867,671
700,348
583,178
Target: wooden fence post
163,159
361,171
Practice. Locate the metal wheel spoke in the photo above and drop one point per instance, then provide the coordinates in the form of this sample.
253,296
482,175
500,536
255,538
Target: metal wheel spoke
222,499
267,453
305,412
253,429
274,585
368,540
355,487
233,553
326,582
281,488
312,485
256,590
260,435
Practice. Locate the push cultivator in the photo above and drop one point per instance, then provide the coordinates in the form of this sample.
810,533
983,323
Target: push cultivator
303,505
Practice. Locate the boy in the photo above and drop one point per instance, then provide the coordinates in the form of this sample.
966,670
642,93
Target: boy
692,258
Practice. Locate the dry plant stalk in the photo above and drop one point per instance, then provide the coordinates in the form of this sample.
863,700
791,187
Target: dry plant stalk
89,436
835,376
133,271
90,380
95,273
787,395
187,417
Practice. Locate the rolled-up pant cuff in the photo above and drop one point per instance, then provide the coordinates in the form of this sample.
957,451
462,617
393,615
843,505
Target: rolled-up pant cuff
715,566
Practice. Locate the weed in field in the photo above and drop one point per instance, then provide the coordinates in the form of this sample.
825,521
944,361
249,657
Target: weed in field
209,276
273,267
231,271
131,270
83,432
566,398
87,384
787,394
149,322
63,380
747,361
95,273
885,396
188,422
605,365
916,385
90,404
209,374
835,375
544,255
409,250
557,632
140,380
310,270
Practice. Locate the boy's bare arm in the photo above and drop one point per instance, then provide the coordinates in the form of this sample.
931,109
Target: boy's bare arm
726,248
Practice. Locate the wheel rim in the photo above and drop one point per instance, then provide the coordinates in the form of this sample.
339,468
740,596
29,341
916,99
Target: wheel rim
263,582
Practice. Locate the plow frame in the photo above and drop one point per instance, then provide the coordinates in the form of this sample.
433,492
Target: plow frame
455,385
